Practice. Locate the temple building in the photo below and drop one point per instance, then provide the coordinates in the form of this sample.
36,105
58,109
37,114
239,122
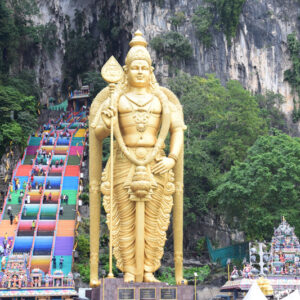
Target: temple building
285,251
276,267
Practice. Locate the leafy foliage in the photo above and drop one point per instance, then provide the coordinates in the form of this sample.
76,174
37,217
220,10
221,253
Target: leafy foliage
24,82
83,247
293,75
168,273
18,117
8,37
270,108
223,122
263,188
85,198
201,247
19,41
83,266
48,38
172,46
202,20
217,15
95,81
18,34
80,47
178,19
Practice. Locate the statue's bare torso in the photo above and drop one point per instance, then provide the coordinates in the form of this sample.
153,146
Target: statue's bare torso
139,119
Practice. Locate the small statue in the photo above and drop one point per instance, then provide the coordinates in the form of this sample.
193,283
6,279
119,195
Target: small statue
234,274
247,271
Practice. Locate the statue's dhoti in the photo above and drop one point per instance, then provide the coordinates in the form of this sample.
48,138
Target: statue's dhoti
158,205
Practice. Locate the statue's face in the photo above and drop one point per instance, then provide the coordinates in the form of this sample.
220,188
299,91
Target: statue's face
139,73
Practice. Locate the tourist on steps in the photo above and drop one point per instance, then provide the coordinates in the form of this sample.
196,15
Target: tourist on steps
54,262
11,218
33,225
9,209
61,262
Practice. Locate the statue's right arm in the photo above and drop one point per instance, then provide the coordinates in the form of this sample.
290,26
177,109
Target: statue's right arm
101,130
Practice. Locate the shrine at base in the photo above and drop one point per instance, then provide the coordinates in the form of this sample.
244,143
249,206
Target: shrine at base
281,265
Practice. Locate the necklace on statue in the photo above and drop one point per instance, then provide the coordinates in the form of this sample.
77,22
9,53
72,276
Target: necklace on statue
141,113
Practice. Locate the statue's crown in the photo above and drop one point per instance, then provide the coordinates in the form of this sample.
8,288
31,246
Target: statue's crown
138,40
138,49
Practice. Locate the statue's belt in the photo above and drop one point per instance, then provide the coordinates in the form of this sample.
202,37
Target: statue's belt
140,153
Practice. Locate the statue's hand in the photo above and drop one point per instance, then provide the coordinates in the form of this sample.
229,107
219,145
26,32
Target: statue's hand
108,115
164,165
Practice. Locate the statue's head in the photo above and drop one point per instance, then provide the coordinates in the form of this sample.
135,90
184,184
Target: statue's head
138,62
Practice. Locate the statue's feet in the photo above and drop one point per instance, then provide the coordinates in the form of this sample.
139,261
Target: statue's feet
95,283
128,277
181,281
149,277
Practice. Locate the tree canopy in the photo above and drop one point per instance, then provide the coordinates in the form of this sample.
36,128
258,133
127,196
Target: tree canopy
18,116
223,122
18,90
255,193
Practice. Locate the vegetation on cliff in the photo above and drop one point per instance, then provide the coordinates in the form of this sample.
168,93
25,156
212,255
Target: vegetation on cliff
292,75
217,15
258,191
172,46
19,39
223,124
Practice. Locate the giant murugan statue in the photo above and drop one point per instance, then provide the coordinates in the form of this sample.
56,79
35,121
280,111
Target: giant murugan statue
140,183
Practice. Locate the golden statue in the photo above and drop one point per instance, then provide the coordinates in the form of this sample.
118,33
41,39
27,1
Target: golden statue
144,182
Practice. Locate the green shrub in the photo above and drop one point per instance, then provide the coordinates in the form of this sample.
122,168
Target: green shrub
84,270
222,15
201,246
202,20
85,198
172,46
178,19
16,111
83,247
168,274
104,261
292,76
95,81
49,39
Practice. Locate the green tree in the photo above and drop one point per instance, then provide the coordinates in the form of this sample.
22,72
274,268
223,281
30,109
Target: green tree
178,19
18,117
173,46
95,80
223,122
8,37
80,47
270,108
220,15
255,193
202,20
24,82
292,75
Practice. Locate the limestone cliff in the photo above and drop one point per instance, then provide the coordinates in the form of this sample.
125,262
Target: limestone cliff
257,57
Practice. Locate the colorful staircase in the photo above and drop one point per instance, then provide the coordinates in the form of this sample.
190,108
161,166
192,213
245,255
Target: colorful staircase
51,164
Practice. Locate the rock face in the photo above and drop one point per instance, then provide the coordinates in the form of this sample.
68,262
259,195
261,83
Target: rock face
257,57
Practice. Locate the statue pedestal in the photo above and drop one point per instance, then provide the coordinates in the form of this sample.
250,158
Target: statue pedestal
116,289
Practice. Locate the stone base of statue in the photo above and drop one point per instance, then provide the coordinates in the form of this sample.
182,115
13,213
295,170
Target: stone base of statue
116,289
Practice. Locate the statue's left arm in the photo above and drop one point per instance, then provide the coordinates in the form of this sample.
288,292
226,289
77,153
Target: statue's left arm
176,142
176,127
